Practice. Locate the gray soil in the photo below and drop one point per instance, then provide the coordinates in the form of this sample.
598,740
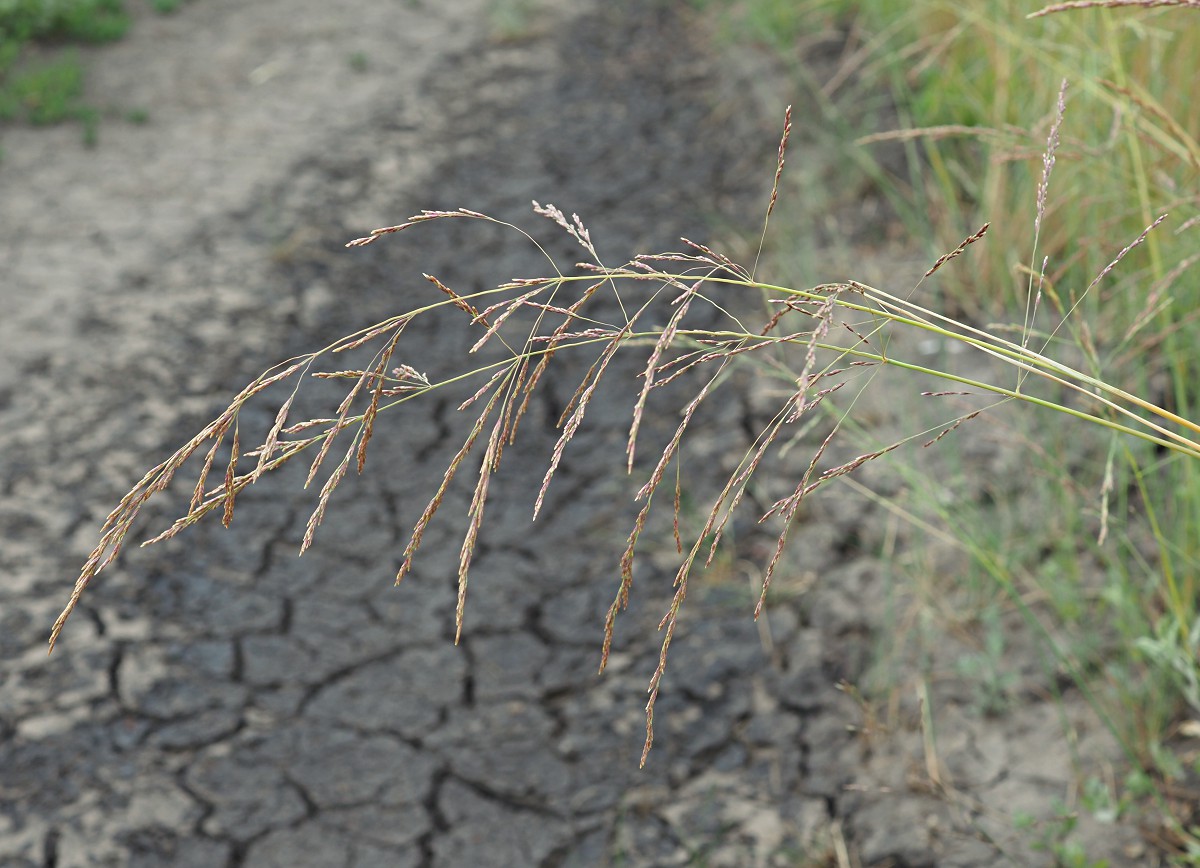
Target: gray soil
216,701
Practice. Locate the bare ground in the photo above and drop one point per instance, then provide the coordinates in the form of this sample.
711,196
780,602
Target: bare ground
217,702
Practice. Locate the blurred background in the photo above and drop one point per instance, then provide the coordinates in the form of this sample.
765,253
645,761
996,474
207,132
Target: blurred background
980,653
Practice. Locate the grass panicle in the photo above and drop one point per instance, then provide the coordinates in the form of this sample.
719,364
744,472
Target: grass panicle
827,337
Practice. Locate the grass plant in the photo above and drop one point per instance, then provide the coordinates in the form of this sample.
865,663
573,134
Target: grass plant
1105,295
834,333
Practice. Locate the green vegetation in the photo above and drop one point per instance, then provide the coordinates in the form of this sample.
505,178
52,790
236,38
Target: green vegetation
965,93
22,21
45,94
41,81
48,89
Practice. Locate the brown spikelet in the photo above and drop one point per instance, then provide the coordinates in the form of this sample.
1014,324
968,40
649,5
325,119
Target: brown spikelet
555,338
669,622
855,463
512,306
717,259
967,242
227,518
621,601
727,349
788,507
475,514
511,408
368,422
318,514
562,337
306,424
951,427
336,428
509,303
578,393
684,361
737,487
216,498
366,335
1052,142
342,375
584,394
435,502
787,307
575,228
482,390
263,382
792,410
201,481
806,379
272,439
780,158
119,522
660,346
646,493
1137,241
376,233
423,217
549,308
458,301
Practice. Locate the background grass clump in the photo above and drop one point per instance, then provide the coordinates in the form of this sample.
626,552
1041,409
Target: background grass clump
45,86
1097,547
77,20
41,76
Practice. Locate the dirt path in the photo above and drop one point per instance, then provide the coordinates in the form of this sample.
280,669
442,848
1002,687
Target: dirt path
216,701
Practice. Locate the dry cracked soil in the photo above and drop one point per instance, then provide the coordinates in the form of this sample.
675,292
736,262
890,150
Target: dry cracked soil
218,702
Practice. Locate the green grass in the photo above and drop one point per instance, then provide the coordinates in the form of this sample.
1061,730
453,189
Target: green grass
41,78
47,88
971,88
46,94
22,21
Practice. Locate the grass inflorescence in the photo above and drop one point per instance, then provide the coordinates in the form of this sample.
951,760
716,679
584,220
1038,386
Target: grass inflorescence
834,333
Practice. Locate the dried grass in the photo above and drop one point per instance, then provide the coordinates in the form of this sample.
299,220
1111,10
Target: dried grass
805,325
